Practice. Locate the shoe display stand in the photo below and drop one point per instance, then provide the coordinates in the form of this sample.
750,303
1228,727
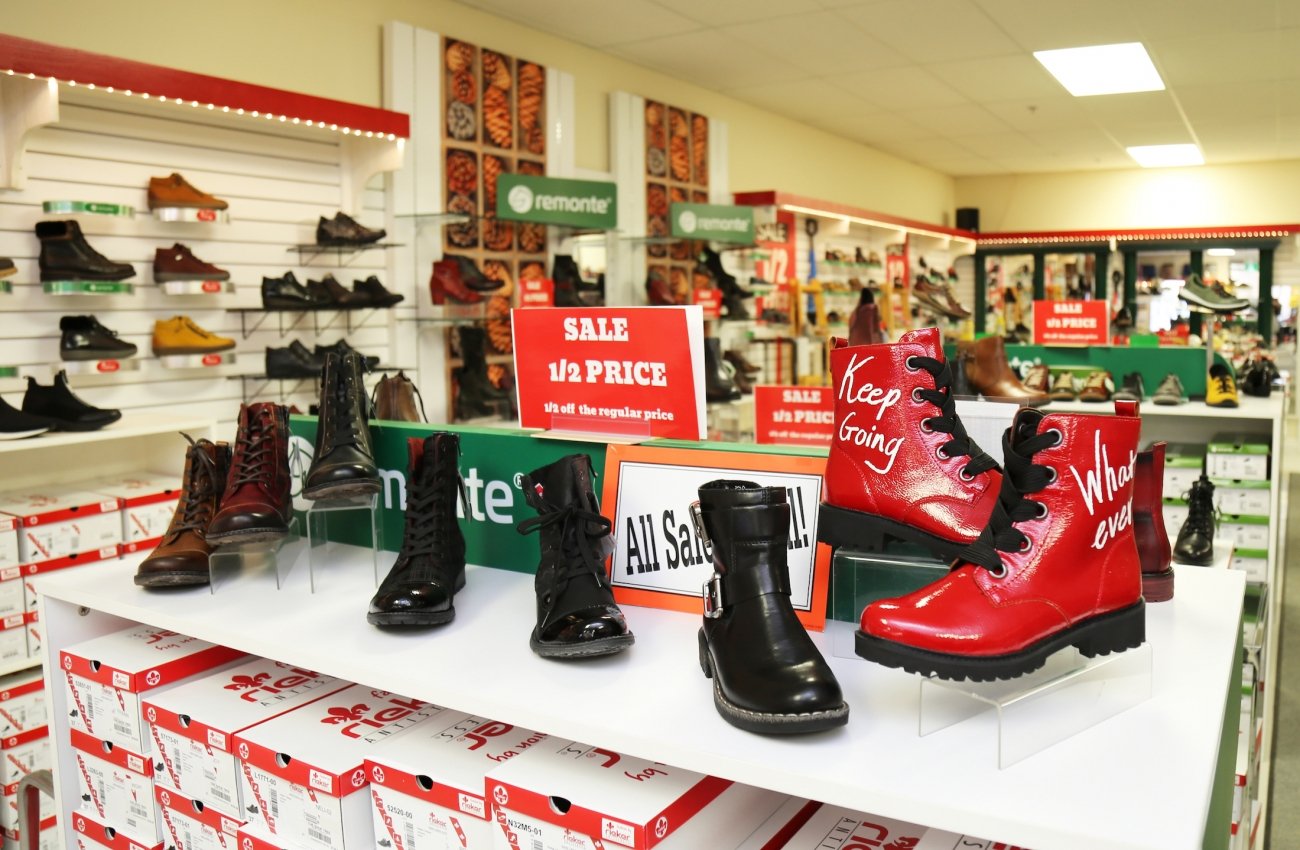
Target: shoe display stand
6,287
88,208
198,361
236,562
248,327
197,287
191,215
309,251
87,287
89,367
322,552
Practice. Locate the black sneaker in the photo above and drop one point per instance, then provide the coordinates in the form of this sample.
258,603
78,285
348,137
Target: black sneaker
1170,391
59,405
84,338
15,425
1131,389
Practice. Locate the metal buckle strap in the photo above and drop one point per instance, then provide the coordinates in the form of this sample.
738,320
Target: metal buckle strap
713,603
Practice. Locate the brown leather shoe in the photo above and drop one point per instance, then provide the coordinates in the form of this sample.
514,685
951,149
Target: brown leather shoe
179,263
1038,379
395,399
446,282
1097,387
1063,388
992,377
182,556
256,506
737,358
175,191
939,297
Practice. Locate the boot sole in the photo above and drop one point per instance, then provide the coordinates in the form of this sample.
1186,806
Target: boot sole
22,435
590,649
765,722
411,618
1101,635
167,277
192,349
75,274
342,490
840,527
84,355
173,579
251,535
1158,587
1195,562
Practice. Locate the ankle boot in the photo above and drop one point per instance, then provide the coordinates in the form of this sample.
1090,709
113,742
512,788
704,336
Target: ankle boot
576,613
712,262
961,387
60,405
1057,565
395,399
473,276
430,567
767,674
182,556
84,338
991,375
256,505
446,282
1149,524
733,308
65,255
718,385
476,395
736,358
568,281
658,292
901,463
1195,543
864,321
343,464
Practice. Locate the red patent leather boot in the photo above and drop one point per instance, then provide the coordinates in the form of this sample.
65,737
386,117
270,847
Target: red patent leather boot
1153,546
901,464
256,506
1056,567
446,282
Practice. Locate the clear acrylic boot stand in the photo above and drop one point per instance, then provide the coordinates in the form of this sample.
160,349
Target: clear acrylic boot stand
249,558
321,551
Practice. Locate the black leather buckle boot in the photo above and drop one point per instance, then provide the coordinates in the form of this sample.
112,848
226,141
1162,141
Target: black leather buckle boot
767,674
576,613
430,567
343,465
718,385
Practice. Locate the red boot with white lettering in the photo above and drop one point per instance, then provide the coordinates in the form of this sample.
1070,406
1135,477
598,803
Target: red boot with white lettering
1056,567
901,464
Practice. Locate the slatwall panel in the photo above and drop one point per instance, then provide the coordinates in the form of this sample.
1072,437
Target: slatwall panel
277,185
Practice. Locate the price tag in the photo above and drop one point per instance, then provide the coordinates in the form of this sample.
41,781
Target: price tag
1071,323
536,292
777,240
710,300
800,416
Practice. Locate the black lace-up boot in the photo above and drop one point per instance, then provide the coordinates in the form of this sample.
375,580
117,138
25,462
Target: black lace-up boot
1195,542
343,464
430,568
182,556
576,614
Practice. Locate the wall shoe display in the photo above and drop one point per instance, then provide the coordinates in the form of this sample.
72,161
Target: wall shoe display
1096,388
1195,542
1022,591
372,293
287,293
476,396
901,464
1221,389
341,346
992,376
65,255
397,399
447,282
1039,379
1170,391
737,359
343,464
741,380
7,268
293,362
767,674
1195,292
343,230
472,275
1063,388
938,297
718,384
576,613
733,308
658,292
256,505
864,321
334,295
1131,389
570,289
179,263
84,338
175,191
430,567
1149,533
16,425
181,558
711,260
1257,376
181,335
59,405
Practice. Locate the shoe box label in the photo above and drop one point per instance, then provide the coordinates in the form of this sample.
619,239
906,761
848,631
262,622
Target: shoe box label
188,824
11,596
13,636
148,502
9,814
1253,562
23,753
1179,481
91,834
415,824
1243,497
1247,532
63,521
304,817
116,786
1233,456
22,703
35,632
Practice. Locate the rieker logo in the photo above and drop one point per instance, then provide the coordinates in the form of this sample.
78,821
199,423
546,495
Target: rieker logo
661,827
153,677
67,662
520,199
81,825
500,794
165,798
377,774
358,778
152,715
686,221
243,751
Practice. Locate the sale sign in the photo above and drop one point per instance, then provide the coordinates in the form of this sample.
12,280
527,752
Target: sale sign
801,416
776,240
659,558
625,371
1071,323
536,292
710,300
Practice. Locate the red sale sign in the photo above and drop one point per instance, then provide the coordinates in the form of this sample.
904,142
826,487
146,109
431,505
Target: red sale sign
1071,323
776,239
617,371
800,416
536,292
710,300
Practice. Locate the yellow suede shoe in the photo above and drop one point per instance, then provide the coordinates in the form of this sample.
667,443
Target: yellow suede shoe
180,335
1221,389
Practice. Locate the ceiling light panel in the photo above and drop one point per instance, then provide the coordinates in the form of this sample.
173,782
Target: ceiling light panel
1166,156
1102,69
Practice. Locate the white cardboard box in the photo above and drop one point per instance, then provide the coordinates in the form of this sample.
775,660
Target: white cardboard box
304,771
1234,496
12,591
49,838
427,784
148,501
190,825
777,830
9,542
13,636
56,523
116,787
35,634
91,834
107,677
253,837
9,813
836,828
1247,532
24,752
192,725
22,702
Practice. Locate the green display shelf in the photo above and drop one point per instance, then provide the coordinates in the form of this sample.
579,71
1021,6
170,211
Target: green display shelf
6,287
88,287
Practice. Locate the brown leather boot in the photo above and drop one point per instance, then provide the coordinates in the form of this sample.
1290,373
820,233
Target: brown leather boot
992,377
182,556
446,282
175,191
256,506
395,399
1097,387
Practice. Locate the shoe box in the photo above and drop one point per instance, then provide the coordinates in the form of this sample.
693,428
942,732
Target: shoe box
775,832
192,726
187,824
24,753
428,785
1247,532
836,828
13,636
564,796
1235,496
304,771
91,834
22,703
63,526
148,501
48,838
1252,562
9,542
250,836
1184,463
106,678
116,785
1237,456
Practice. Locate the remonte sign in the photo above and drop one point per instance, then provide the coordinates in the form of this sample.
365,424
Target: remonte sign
551,200
712,222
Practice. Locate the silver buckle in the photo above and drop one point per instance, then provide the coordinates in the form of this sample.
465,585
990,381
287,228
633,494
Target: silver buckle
697,519
713,597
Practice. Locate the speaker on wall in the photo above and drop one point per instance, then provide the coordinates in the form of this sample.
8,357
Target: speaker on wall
968,218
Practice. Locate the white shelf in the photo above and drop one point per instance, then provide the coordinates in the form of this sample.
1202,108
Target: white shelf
1092,791
19,664
129,426
1250,408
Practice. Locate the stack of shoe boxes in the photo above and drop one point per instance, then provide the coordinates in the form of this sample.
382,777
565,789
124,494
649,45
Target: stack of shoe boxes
24,737
148,501
1239,467
832,826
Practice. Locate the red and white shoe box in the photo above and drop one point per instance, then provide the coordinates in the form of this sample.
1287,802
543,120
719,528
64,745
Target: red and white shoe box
91,834
148,501
107,678
427,786
116,787
9,541
23,753
13,636
836,828
253,837
569,796
59,523
190,825
48,839
777,830
192,726
22,702
304,771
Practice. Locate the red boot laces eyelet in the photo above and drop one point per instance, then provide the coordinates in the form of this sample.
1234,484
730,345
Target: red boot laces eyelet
1060,438
926,427
908,364
1051,475
941,454
999,573
1026,546
917,398
965,475
1041,510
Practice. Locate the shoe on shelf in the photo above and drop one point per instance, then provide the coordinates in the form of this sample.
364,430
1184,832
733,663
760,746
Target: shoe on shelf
1149,532
293,362
1195,292
1063,388
16,425
181,335
371,293
1258,375
286,293
1221,389
570,289
1170,391
343,463
65,255
1097,387
711,260
345,230
733,308
84,338
179,263
342,347
1195,542
737,358
448,281
473,276
658,292
939,295
7,267
1131,388
718,383
1038,379
864,322
476,395
175,191
256,506
992,376
182,556
397,399
334,295
61,406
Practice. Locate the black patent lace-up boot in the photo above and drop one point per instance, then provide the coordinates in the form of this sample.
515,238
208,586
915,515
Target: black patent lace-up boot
343,465
576,613
1195,542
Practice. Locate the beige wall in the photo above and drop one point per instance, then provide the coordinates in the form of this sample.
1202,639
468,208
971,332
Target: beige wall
332,48
1246,193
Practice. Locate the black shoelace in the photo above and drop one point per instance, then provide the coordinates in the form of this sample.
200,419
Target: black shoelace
1202,516
960,443
344,427
577,534
1225,383
202,494
1021,477
254,464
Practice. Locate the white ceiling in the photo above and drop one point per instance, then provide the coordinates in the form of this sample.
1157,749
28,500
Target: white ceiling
953,85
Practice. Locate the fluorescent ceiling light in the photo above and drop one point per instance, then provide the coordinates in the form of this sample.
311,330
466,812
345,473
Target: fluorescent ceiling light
1104,69
1222,252
1166,156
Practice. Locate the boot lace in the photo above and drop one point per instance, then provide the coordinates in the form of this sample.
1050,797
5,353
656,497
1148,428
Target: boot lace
255,464
425,525
1225,383
344,428
960,443
203,490
578,529
1202,515
1021,476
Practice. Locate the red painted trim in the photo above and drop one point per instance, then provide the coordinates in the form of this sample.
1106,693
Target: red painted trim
771,197
1031,237
25,56
787,832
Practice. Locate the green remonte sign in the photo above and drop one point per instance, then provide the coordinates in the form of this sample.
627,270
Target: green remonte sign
554,200
714,222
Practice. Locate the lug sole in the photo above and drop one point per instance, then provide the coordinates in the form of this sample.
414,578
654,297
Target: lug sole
860,530
768,722
1158,587
410,618
588,649
343,489
85,355
1115,631
171,579
249,535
